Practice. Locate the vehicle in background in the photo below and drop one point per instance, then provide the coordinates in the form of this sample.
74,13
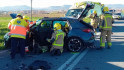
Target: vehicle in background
76,9
111,11
117,16
122,14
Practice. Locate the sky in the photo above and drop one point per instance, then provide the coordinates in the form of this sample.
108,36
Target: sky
47,3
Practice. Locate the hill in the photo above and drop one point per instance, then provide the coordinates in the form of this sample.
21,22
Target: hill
52,8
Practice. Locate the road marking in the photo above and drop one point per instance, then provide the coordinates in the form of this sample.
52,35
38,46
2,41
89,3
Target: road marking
73,61
62,67
3,51
77,60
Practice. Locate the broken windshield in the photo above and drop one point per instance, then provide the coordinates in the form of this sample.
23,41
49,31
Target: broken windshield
73,13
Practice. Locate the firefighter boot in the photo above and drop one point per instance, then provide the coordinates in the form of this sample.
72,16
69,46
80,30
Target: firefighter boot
109,47
58,52
101,48
53,52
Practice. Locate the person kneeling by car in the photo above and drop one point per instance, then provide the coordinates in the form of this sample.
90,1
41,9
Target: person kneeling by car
57,40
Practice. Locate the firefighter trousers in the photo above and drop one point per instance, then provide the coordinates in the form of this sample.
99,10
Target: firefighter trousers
57,47
105,34
17,43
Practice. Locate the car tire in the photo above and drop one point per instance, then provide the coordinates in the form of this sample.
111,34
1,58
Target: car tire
75,44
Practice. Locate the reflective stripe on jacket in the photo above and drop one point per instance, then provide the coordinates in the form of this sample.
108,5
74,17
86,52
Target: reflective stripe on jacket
18,28
106,22
59,38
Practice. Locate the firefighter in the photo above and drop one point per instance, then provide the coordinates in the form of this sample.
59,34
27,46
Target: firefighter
105,27
94,20
57,40
26,18
18,29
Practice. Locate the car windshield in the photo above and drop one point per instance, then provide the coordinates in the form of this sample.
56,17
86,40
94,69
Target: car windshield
96,8
73,12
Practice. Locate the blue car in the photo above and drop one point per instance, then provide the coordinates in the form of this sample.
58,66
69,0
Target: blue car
78,34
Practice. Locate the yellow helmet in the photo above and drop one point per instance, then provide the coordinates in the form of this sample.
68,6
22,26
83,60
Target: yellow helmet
19,15
102,4
43,24
25,17
105,9
57,26
66,25
94,12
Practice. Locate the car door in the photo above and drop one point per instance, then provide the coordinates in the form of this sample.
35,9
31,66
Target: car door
44,32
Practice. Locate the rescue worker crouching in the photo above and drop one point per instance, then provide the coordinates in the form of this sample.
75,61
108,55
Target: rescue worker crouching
105,27
57,40
18,29
94,20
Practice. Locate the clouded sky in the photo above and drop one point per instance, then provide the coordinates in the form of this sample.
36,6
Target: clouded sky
47,3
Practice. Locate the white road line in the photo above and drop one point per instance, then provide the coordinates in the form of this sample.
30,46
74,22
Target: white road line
77,60
3,51
62,67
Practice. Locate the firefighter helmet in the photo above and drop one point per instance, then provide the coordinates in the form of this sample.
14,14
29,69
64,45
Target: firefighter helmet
94,12
105,9
57,26
25,17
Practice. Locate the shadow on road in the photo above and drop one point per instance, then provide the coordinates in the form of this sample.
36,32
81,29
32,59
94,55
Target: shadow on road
118,29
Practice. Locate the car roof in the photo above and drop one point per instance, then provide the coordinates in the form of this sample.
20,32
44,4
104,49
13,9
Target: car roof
59,18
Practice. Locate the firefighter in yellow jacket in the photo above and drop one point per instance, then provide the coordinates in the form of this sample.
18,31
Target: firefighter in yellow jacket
57,40
105,27
18,28
94,20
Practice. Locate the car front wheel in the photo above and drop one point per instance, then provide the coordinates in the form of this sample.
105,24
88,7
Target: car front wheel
75,44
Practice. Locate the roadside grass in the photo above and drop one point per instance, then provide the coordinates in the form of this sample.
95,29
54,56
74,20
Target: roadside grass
4,28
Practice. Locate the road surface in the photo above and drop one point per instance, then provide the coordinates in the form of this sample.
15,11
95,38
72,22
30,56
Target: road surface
89,59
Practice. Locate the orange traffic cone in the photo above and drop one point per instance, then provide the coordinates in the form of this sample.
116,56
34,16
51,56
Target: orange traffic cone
26,49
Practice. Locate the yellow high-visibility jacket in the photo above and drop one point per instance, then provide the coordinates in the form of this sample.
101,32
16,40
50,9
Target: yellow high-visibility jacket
106,22
18,28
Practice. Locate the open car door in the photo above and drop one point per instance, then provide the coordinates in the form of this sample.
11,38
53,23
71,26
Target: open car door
85,11
13,15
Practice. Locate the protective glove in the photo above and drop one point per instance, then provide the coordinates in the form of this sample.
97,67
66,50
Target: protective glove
48,40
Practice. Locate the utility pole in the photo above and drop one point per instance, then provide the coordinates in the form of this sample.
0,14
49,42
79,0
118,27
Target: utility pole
31,10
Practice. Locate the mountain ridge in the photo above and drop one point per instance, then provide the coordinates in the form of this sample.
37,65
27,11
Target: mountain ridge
51,8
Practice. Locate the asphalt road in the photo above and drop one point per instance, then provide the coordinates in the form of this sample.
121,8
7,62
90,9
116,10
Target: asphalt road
89,59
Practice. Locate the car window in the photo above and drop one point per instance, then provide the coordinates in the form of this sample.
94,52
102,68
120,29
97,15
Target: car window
73,12
117,13
46,23
61,22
